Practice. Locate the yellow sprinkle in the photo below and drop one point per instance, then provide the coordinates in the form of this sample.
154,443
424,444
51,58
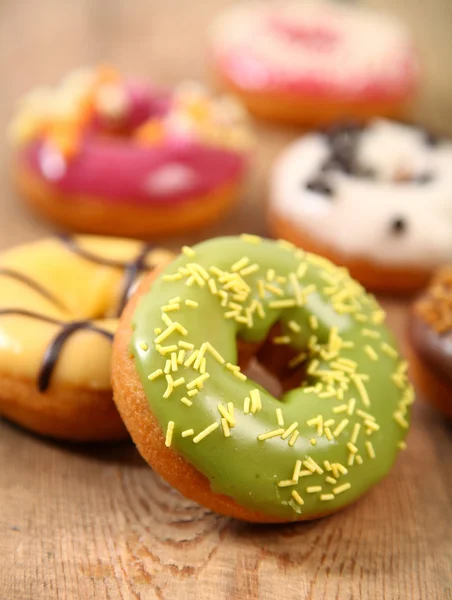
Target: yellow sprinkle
361,390
187,433
402,445
239,375
167,368
166,319
256,403
249,270
400,419
301,270
225,427
371,424
326,497
343,470
294,437
198,382
355,433
297,469
188,251
246,405
165,349
270,434
270,274
327,465
313,489
342,488
170,308
335,471
212,286
173,361
169,434
296,289
179,381
242,262
351,459
298,499
340,408
200,356
353,449
251,239
215,353
175,300
230,314
226,415
191,303
328,423
172,277
157,330
331,480
288,303
328,434
370,352
389,350
306,473
205,432
289,430
180,357
286,483
365,415
370,449
186,345
155,374
281,339
170,386
285,244
274,290
313,321
186,401
203,367
313,442
294,326
191,359
315,465
192,393
359,459
165,334
279,417
370,333
144,346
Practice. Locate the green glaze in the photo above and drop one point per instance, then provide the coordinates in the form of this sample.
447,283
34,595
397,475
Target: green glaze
241,466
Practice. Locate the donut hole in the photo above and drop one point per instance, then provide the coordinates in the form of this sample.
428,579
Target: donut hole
268,364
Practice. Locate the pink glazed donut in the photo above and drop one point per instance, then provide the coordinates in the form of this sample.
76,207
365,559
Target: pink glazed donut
312,63
108,155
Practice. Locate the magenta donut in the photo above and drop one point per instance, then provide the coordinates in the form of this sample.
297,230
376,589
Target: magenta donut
314,61
107,154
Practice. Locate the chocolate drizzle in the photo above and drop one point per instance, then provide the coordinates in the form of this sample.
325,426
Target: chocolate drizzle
131,271
34,285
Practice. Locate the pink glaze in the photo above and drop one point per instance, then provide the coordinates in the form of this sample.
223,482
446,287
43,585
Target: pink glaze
321,42
116,169
119,171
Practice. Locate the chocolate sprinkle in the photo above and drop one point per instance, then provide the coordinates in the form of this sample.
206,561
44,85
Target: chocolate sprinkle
399,226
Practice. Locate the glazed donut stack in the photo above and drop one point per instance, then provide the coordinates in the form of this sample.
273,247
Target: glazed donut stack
105,337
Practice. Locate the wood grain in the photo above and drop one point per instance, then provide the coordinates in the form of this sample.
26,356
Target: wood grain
95,522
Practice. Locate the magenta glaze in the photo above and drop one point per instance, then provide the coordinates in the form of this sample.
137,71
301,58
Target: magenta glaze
117,170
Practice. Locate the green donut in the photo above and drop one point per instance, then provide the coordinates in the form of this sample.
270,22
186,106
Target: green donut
319,447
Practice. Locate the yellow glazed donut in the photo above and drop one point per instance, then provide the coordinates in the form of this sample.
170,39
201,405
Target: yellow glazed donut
218,436
59,303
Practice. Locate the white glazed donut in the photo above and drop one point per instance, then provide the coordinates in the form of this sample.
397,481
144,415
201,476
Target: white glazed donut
314,61
376,199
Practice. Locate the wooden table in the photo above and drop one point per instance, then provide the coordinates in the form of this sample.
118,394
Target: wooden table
95,522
